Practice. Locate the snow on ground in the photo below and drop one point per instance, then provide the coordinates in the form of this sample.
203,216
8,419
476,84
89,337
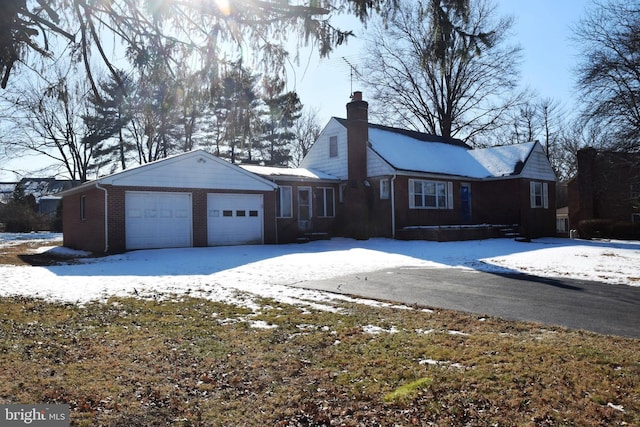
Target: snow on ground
241,274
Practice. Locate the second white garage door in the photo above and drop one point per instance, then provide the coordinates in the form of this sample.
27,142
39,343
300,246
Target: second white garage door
234,219
157,220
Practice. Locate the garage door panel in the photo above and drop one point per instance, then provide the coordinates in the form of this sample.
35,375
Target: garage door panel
158,220
234,219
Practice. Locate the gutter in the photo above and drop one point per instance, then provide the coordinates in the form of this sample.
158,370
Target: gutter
393,206
106,217
275,214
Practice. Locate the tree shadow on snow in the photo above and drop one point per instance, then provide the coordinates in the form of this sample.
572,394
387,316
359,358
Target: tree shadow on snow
211,260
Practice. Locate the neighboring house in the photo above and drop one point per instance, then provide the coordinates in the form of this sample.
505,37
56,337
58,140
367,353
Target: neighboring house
562,221
607,186
6,191
45,191
358,180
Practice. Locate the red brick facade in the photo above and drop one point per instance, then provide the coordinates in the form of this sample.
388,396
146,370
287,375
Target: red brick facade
89,233
606,187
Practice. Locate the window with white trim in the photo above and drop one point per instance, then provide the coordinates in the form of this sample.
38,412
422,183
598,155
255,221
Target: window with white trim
430,194
285,202
325,202
385,190
333,146
539,194
635,218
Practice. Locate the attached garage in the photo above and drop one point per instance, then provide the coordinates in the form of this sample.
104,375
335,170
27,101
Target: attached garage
158,220
235,219
191,199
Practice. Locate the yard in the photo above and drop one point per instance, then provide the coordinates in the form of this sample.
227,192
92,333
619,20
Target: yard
214,336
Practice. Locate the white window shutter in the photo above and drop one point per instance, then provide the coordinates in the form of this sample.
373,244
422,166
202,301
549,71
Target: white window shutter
532,193
412,203
545,195
450,195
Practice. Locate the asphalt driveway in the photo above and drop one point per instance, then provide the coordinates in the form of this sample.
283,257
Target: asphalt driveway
602,308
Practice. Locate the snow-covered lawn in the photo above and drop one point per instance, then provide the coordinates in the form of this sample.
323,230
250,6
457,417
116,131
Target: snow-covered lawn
240,274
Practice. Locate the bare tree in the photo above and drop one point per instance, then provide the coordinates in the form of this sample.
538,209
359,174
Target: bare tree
449,85
307,130
609,73
48,120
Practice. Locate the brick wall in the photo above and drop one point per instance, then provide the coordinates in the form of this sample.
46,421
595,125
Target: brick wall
602,188
89,234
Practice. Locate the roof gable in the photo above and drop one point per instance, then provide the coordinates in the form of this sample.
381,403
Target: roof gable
195,169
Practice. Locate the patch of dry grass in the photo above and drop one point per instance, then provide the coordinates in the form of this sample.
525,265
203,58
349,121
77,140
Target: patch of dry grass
191,362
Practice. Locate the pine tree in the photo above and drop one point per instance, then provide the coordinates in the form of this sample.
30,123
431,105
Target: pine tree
235,105
110,114
282,111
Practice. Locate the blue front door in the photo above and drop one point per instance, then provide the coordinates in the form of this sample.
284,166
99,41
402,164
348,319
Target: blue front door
465,202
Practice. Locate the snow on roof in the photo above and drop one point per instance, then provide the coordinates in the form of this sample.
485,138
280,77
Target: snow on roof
404,152
503,160
7,187
274,171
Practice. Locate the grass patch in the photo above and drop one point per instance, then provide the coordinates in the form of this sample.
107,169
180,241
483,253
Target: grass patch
193,362
407,391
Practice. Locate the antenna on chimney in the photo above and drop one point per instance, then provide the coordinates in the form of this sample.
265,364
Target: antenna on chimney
352,70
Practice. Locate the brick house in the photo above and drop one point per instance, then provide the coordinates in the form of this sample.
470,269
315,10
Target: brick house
358,180
405,184
607,186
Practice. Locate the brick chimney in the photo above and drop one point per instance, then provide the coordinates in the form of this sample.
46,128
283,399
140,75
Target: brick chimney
355,195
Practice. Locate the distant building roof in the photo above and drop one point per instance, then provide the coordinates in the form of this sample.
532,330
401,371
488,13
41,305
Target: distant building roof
41,187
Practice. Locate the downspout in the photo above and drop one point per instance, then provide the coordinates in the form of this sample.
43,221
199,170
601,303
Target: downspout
393,207
106,217
275,211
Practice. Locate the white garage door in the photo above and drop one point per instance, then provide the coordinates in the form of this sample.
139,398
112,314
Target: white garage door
158,220
234,219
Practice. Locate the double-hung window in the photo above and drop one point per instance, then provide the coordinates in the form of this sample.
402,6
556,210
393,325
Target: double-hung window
539,194
430,194
325,202
333,146
285,202
385,189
